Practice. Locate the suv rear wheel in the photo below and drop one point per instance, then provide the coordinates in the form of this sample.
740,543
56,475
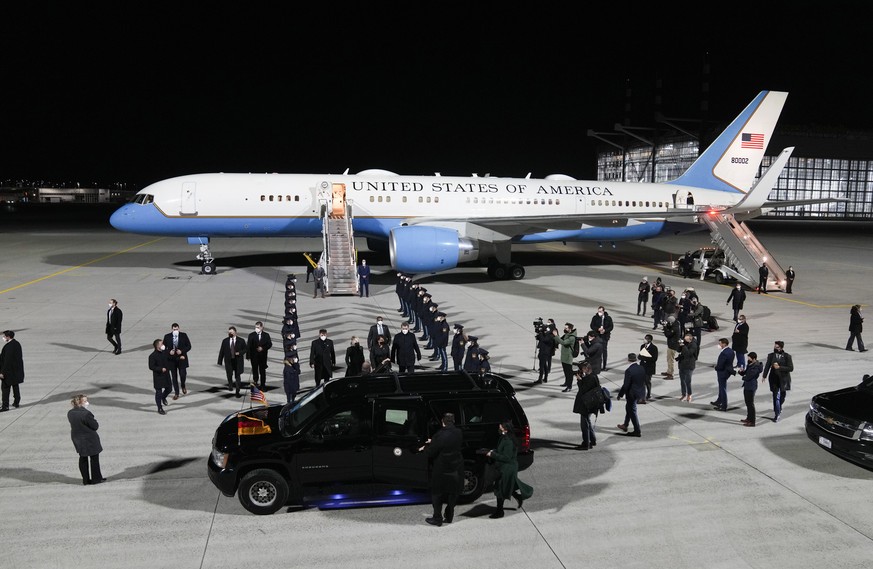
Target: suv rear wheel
474,482
263,491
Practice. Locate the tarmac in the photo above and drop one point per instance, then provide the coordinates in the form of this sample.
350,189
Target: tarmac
696,490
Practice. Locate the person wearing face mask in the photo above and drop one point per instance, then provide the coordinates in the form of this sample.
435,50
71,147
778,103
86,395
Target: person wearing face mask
740,340
441,340
378,330
83,431
380,355
567,341
506,459
354,357
113,326
322,357
404,350
160,375
178,345
779,367
256,352
11,370
232,355
458,349
291,376
648,359
602,324
736,299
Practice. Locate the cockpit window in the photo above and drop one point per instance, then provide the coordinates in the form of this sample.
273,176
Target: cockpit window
148,199
138,198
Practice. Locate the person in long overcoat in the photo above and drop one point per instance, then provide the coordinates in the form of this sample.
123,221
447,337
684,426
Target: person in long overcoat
354,358
856,326
740,340
404,350
160,375
83,431
11,370
587,383
447,472
779,367
506,459
291,376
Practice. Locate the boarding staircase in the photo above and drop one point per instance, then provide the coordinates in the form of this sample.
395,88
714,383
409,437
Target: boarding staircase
339,255
744,254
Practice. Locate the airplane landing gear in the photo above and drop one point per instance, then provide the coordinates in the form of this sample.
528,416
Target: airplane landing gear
509,271
208,267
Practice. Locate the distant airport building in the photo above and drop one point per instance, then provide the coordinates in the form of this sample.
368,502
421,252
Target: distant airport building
824,164
65,195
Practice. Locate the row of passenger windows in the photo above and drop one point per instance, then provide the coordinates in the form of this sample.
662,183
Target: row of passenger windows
279,198
528,201
387,199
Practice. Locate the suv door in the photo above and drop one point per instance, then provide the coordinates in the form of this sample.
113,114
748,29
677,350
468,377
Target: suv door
399,431
338,448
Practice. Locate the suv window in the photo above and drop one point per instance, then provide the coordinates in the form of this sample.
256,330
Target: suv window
486,411
398,420
347,424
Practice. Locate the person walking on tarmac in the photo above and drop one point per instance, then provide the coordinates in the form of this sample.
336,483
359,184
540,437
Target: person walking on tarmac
506,459
447,474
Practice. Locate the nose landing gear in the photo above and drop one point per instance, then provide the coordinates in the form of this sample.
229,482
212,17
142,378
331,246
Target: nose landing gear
208,267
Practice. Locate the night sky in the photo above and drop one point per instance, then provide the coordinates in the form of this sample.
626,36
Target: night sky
141,91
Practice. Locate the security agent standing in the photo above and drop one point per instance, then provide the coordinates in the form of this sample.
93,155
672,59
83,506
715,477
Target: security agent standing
763,274
257,347
643,295
673,335
318,277
447,473
11,370
724,369
232,354
404,350
789,279
648,358
113,326
178,345
634,388
440,339
458,341
364,279
779,367
322,357
471,360
160,375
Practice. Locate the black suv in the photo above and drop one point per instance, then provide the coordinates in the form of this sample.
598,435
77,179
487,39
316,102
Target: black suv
842,422
363,433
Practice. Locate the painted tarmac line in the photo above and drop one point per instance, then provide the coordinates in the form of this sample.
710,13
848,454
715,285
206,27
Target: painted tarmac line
69,269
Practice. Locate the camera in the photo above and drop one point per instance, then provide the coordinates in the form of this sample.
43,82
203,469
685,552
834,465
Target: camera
538,325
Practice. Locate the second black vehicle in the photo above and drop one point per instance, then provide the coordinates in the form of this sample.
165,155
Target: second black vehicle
841,422
360,434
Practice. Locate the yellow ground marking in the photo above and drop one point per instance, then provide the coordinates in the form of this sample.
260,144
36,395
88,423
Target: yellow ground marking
91,262
705,441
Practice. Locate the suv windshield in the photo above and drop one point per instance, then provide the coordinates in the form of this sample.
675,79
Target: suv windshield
297,413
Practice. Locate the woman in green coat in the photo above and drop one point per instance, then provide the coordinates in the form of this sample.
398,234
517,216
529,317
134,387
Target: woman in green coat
506,460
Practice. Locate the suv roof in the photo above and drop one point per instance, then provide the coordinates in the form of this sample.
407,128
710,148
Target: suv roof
415,384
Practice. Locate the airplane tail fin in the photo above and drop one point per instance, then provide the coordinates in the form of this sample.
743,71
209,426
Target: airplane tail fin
731,161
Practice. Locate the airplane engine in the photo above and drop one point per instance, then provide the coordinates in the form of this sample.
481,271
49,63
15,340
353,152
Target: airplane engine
423,249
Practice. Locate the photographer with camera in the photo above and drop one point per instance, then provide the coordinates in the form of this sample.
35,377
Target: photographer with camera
687,359
568,343
545,349
673,335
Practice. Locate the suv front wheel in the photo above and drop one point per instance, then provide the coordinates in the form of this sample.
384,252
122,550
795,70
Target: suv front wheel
263,491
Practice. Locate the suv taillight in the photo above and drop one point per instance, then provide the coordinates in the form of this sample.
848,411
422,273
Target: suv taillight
525,439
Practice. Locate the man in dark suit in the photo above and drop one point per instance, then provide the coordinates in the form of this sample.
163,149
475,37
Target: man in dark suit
779,367
737,297
763,275
113,326
160,375
11,370
232,355
177,346
322,357
376,330
602,324
404,351
258,345
648,357
364,278
447,473
634,388
724,368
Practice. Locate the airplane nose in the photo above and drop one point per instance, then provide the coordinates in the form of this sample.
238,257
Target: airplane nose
123,218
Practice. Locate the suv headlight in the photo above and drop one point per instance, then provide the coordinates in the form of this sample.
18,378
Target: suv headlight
219,458
867,432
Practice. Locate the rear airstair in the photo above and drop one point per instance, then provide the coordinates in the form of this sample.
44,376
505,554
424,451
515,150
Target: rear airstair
339,257
744,254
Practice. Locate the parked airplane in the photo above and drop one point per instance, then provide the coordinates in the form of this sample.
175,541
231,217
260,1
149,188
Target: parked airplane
433,223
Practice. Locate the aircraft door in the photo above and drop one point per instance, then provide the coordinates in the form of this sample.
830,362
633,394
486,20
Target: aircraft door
338,201
189,199
580,204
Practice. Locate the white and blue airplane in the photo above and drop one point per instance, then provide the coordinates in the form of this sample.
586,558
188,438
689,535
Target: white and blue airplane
433,223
